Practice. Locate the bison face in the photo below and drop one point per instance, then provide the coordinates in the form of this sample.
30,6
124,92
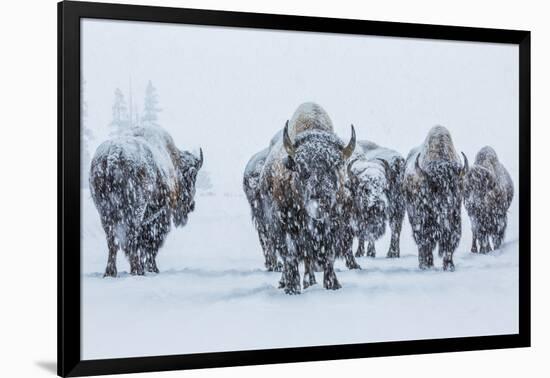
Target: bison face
316,159
188,167
368,186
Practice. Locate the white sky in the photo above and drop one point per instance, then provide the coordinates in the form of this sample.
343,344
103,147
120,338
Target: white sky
229,90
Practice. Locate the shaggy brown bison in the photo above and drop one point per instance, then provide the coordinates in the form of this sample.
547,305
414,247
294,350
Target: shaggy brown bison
488,193
432,188
301,180
140,183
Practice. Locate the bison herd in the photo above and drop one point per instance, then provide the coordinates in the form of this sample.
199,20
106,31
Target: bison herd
311,196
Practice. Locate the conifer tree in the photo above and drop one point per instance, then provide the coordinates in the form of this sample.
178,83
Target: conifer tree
150,106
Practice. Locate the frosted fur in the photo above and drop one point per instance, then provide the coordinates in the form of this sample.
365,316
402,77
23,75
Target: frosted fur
309,116
141,184
432,188
299,195
488,193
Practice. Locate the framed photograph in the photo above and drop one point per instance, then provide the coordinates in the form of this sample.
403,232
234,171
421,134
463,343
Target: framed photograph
239,188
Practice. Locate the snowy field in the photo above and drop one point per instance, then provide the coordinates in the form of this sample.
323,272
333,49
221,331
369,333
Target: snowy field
213,293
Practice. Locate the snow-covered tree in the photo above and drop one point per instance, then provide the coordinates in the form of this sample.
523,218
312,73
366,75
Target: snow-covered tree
120,119
150,106
86,137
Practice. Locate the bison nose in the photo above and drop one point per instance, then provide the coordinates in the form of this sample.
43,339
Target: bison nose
192,207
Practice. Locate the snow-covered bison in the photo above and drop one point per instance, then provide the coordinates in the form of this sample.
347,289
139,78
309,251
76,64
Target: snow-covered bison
302,178
432,188
140,182
251,187
382,192
488,193
364,207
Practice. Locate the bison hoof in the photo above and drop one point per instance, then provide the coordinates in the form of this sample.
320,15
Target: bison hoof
309,282
110,272
292,290
450,266
333,285
424,266
353,265
153,269
392,255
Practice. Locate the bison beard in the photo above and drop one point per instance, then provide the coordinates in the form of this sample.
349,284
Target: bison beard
140,183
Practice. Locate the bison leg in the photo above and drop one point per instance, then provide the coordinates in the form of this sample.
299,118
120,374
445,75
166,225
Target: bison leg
485,246
474,241
330,282
110,270
136,260
448,263
150,262
448,243
394,243
309,273
291,276
360,248
498,238
351,263
425,256
347,250
371,250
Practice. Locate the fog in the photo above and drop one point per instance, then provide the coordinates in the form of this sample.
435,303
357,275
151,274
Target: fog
229,90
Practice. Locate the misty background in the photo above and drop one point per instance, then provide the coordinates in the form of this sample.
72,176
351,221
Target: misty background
228,90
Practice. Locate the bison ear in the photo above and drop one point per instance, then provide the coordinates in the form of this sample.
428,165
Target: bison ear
289,163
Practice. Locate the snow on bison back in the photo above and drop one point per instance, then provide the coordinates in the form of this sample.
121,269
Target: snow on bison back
140,182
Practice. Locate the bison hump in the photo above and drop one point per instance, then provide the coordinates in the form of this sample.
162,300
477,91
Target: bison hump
309,116
144,148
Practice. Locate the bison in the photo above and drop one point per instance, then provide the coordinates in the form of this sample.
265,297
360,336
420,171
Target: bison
365,207
140,183
301,180
488,193
432,187
394,169
251,187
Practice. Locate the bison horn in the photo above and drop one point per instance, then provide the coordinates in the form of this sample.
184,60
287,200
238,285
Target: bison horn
289,146
419,170
386,165
201,159
348,150
466,167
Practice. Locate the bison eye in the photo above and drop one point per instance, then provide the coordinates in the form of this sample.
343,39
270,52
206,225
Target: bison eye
289,163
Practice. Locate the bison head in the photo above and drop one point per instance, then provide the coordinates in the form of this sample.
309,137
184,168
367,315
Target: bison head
316,158
368,185
187,166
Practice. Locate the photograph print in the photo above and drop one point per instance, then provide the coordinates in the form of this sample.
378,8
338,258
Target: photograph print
248,189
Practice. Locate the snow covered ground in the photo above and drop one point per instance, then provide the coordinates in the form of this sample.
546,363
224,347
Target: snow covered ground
213,294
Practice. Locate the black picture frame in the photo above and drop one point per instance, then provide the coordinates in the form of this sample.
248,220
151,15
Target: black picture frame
69,276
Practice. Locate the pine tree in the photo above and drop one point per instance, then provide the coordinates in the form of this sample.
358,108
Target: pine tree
120,112
150,106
